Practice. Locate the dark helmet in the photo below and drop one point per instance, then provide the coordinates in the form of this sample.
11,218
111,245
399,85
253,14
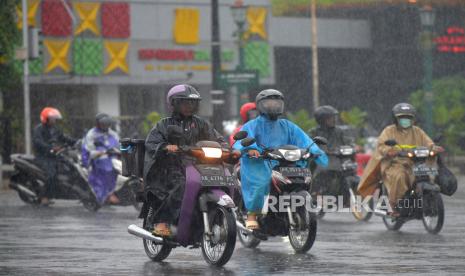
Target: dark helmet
323,112
403,109
270,102
182,92
103,120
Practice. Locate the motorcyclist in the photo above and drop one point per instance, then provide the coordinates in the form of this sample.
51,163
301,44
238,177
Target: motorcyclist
248,112
326,117
394,171
97,144
47,139
164,171
269,132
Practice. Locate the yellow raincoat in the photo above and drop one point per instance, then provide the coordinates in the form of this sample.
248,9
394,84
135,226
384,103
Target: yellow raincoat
396,173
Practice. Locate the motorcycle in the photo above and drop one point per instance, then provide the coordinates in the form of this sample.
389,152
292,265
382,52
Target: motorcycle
127,188
206,216
423,200
289,182
342,172
29,179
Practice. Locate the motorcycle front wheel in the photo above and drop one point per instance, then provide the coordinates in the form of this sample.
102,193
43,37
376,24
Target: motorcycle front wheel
360,215
433,212
302,236
155,252
218,247
391,223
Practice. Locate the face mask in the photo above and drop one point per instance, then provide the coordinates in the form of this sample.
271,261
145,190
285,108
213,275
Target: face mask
405,123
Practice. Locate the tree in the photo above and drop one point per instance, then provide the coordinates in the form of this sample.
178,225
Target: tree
9,77
302,119
448,109
149,122
9,38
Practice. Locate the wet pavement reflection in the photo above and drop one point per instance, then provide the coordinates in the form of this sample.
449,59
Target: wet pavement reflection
66,239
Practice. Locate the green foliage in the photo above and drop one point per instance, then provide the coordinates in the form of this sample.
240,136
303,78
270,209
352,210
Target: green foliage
302,119
302,7
448,108
9,37
149,122
354,117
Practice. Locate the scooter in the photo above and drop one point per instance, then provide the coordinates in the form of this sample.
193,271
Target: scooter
29,179
288,182
206,216
423,201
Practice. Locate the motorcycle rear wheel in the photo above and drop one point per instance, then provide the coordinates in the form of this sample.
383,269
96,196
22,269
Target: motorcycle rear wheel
248,240
155,252
219,247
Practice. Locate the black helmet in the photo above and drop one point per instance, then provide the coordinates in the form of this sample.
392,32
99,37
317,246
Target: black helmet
323,112
103,120
270,102
403,109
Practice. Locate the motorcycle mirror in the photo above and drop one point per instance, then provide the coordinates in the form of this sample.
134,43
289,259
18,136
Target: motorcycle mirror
320,140
438,139
390,142
247,142
240,135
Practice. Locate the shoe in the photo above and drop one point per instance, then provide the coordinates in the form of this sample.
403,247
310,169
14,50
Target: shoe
113,199
162,230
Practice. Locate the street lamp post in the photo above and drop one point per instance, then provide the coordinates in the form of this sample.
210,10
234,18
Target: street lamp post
239,14
427,22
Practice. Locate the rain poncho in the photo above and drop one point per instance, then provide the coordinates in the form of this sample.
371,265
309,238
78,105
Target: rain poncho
256,173
396,173
102,176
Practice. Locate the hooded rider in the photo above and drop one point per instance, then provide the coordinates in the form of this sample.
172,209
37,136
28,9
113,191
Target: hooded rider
270,132
164,172
394,171
98,141
248,112
326,117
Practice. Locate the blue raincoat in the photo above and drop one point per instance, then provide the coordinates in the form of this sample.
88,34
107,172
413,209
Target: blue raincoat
256,173
102,176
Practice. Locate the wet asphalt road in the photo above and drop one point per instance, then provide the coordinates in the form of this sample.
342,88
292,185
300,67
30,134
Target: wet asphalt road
66,239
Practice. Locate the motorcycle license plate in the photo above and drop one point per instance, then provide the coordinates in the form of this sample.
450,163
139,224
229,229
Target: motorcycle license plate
425,171
295,172
218,181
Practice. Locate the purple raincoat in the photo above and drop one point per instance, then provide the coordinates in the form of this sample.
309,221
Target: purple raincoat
102,176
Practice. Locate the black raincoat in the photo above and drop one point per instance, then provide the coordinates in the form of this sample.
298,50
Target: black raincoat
325,176
43,139
164,173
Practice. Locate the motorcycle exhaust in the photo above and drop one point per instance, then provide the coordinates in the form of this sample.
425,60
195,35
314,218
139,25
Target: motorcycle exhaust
21,188
142,233
243,228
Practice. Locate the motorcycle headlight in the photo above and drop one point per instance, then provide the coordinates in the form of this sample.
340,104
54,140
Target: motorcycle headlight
347,151
291,155
421,153
212,152
274,156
